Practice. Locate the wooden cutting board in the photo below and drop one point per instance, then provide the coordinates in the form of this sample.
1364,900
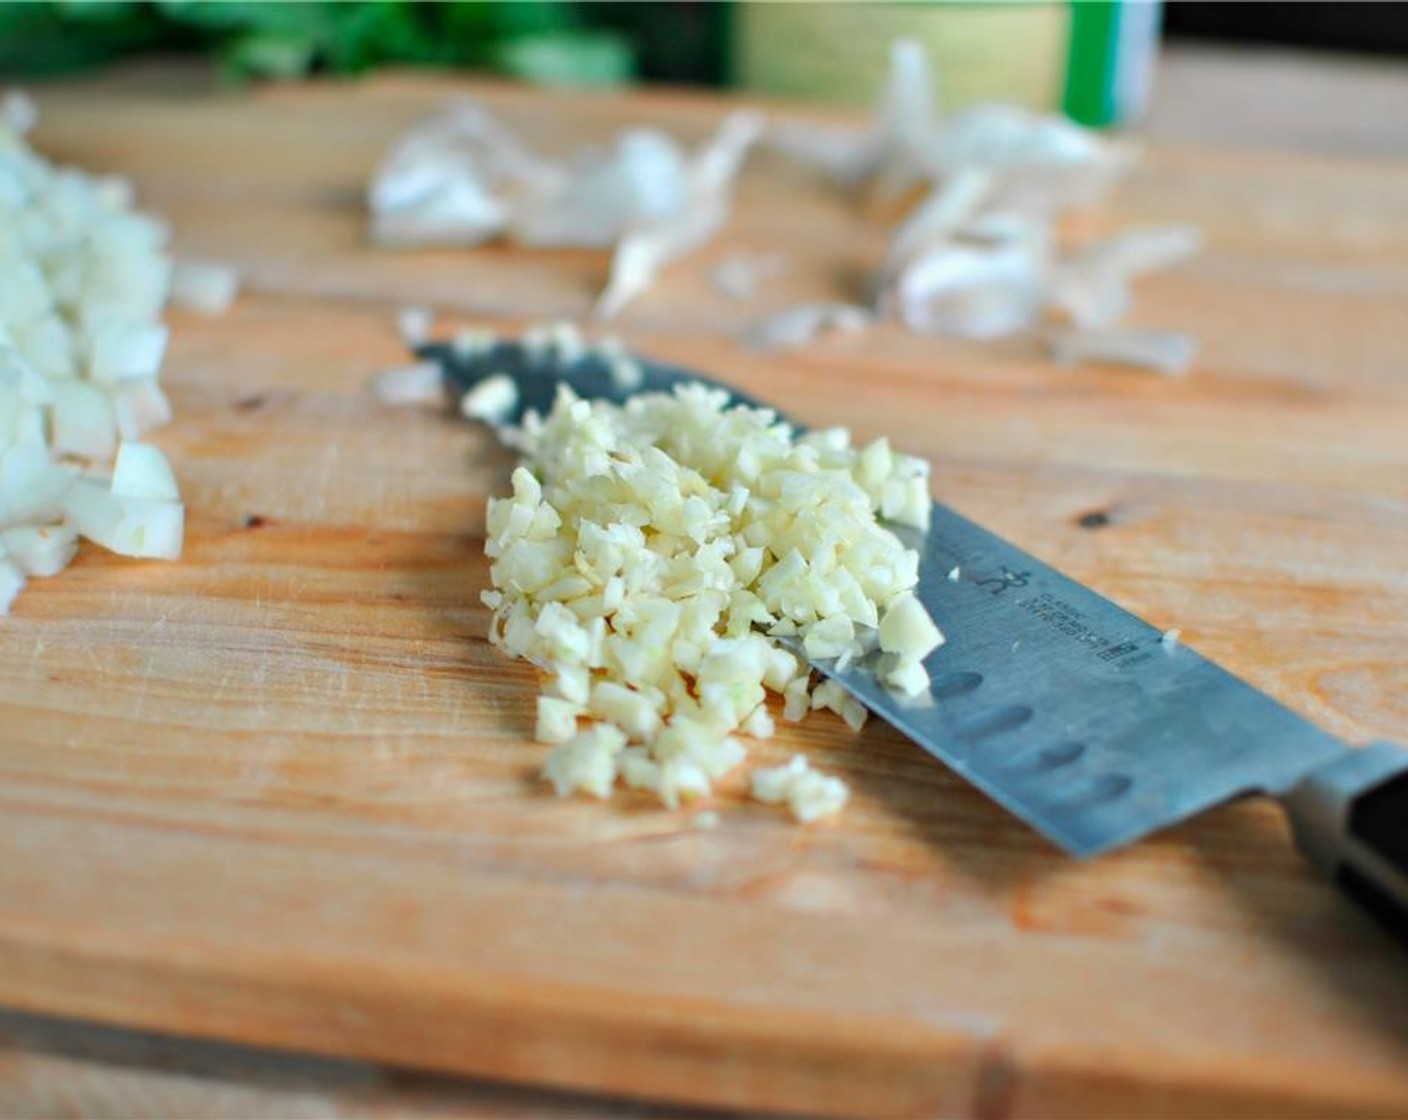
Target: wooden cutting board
282,792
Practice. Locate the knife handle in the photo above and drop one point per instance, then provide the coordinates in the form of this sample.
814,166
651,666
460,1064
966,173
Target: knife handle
1350,818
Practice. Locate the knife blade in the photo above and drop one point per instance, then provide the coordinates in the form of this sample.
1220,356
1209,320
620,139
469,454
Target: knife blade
1077,716
1070,711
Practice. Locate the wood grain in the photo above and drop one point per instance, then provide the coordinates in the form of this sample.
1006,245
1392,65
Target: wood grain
281,792
53,1069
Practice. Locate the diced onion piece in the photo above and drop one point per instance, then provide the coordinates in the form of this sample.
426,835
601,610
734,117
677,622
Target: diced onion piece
92,510
27,292
142,471
32,485
19,377
137,527
22,423
47,345
149,529
40,550
83,421
11,584
208,287
121,349
139,406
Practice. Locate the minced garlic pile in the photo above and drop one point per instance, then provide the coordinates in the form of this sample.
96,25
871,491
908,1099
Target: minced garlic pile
652,555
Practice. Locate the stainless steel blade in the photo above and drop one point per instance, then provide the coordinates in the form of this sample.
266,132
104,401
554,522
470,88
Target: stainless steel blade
1061,705
1072,712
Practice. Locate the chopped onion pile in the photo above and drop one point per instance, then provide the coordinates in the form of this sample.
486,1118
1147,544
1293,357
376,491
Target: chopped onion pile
653,555
978,257
463,178
83,281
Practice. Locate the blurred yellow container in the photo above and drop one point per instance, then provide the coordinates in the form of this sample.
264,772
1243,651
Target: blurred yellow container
1090,58
838,53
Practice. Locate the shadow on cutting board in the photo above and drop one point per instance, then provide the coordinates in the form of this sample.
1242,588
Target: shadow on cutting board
65,1067
1268,888
995,852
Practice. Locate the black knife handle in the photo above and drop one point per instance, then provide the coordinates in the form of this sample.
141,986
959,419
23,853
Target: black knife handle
1350,818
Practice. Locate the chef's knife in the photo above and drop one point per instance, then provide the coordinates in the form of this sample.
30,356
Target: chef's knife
1083,720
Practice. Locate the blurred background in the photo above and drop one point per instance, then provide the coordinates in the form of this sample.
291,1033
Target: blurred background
1092,59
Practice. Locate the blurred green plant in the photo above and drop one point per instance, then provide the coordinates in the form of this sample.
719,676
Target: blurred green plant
549,41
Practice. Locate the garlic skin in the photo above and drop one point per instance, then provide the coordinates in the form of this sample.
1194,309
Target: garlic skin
981,256
462,178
